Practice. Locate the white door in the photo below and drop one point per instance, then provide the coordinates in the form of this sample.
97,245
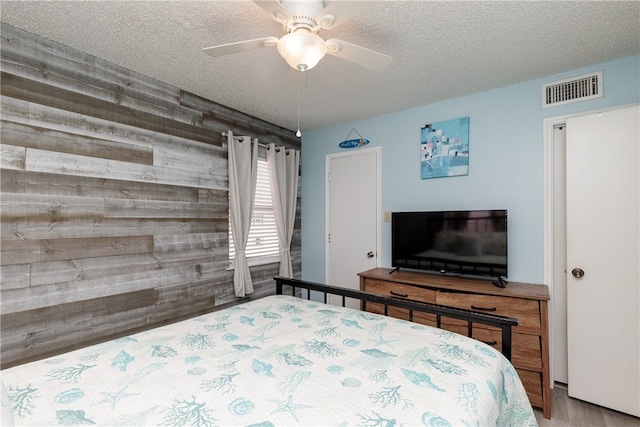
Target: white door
603,253
353,216
559,298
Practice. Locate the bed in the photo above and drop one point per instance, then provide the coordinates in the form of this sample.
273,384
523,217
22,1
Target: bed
278,360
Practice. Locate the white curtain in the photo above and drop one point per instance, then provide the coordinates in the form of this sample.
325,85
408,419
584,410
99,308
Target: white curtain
243,167
283,173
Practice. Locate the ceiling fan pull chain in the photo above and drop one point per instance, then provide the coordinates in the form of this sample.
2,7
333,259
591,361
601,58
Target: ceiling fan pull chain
298,133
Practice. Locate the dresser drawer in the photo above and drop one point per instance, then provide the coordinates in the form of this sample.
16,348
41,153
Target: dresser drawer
492,337
401,313
527,311
400,291
532,382
525,348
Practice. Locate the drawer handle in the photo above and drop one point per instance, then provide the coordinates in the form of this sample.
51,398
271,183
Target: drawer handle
475,307
399,295
490,342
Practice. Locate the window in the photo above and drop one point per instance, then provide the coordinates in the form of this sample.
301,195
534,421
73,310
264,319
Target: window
262,244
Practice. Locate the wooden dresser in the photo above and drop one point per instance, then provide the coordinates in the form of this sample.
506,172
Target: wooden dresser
526,302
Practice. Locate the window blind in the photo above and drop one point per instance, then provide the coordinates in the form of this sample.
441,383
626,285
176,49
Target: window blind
263,236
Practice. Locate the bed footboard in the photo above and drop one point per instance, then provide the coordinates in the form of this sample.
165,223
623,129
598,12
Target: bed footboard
471,317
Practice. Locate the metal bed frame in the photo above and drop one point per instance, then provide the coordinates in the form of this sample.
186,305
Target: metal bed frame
471,317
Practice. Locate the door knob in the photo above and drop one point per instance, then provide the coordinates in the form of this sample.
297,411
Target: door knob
577,273
370,254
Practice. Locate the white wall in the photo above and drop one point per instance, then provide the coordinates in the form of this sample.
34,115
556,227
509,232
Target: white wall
505,171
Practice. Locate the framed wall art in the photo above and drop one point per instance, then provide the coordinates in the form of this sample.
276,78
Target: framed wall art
444,149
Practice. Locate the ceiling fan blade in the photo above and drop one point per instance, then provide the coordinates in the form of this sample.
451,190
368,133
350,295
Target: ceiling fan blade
275,10
340,11
357,54
231,48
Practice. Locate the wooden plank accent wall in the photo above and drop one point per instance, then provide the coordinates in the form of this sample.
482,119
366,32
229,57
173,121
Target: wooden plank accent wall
114,200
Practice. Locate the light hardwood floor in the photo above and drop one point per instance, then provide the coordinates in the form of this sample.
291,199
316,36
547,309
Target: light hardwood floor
569,412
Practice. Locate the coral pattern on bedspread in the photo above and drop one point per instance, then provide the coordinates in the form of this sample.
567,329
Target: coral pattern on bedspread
275,361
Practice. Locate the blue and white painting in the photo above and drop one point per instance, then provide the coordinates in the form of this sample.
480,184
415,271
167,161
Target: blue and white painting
444,149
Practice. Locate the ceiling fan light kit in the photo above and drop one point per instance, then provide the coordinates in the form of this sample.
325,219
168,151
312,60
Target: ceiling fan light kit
302,49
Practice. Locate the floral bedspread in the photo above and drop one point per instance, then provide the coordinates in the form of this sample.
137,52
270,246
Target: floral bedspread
275,361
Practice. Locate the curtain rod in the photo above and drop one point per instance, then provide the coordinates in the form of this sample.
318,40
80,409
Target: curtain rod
260,144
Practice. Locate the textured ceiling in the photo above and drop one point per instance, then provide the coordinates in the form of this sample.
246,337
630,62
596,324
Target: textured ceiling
440,49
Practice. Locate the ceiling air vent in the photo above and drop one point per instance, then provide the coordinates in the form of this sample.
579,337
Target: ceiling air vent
571,90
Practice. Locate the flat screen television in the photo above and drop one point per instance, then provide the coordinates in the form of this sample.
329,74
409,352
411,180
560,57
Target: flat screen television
464,242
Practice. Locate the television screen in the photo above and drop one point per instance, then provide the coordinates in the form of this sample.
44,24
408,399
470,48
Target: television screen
465,242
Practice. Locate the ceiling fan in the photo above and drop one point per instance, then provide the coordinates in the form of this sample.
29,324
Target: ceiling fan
301,46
